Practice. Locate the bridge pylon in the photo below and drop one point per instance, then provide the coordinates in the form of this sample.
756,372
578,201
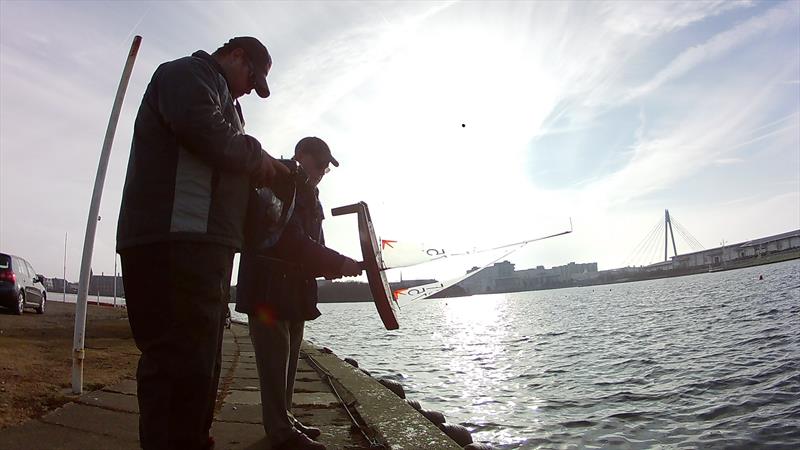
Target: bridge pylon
668,227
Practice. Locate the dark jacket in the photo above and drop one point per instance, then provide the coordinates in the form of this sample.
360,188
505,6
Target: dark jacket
280,282
191,165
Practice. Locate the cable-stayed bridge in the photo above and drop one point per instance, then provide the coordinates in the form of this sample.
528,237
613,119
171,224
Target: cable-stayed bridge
649,249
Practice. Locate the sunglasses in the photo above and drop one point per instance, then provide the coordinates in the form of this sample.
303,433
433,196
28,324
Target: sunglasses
323,166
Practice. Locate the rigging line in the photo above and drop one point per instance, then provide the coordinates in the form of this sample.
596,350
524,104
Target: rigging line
637,256
634,255
652,246
486,250
657,239
692,243
685,239
686,230
641,243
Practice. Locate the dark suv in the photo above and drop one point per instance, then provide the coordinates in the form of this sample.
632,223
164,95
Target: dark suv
20,285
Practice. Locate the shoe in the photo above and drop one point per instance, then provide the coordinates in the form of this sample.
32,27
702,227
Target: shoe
311,432
299,441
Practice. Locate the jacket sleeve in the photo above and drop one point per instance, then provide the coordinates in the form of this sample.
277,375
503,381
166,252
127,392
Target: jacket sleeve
296,247
189,103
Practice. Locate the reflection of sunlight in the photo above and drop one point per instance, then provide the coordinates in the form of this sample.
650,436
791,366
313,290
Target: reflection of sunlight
476,333
476,313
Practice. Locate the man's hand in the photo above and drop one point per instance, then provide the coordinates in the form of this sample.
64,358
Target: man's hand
350,268
272,169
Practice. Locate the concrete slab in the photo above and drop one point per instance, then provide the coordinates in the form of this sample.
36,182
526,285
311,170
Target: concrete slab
245,384
311,386
239,436
315,399
249,364
121,425
41,435
244,398
111,400
246,375
240,413
123,387
321,417
304,366
393,422
333,435
245,371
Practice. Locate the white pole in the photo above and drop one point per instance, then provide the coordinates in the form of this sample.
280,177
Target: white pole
91,222
97,288
65,267
115,279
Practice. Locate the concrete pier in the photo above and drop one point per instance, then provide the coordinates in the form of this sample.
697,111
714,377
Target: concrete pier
108,418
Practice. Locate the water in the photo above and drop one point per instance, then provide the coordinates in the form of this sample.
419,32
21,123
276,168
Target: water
709,361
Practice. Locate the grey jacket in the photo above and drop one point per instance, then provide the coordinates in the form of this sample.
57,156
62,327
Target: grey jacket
191,165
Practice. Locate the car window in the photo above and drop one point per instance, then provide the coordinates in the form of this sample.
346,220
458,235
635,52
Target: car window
31,272
24,266
5,261
15,266
20,268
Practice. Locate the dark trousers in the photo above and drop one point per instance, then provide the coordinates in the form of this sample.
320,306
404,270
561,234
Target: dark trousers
176,295
277,347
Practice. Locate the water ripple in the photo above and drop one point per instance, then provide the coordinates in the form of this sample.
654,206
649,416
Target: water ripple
710,361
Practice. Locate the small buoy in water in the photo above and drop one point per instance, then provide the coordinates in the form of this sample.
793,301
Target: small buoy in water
761,277
351,361
393,386
435,417
457,433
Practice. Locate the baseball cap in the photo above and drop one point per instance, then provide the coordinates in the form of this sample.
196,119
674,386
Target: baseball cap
260,58
317,148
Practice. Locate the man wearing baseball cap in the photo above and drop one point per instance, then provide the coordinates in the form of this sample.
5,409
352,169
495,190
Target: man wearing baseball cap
278,291
182,218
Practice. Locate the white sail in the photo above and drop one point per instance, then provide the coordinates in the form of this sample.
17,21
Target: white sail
404,295
397,254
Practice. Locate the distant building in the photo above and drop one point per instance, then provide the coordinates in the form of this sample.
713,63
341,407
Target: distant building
57,285
750,249
501,277
105,285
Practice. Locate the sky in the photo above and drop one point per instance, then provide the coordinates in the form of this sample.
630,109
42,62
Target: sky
461,124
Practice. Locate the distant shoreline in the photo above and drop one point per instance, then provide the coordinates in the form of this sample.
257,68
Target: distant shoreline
362,289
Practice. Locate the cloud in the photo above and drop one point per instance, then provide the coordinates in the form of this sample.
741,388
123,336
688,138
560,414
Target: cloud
653,18
772,21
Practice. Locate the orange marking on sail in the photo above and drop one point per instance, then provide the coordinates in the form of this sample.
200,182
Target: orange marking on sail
385,242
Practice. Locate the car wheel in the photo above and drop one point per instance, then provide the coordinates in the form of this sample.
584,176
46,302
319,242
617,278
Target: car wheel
20,306
40,308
